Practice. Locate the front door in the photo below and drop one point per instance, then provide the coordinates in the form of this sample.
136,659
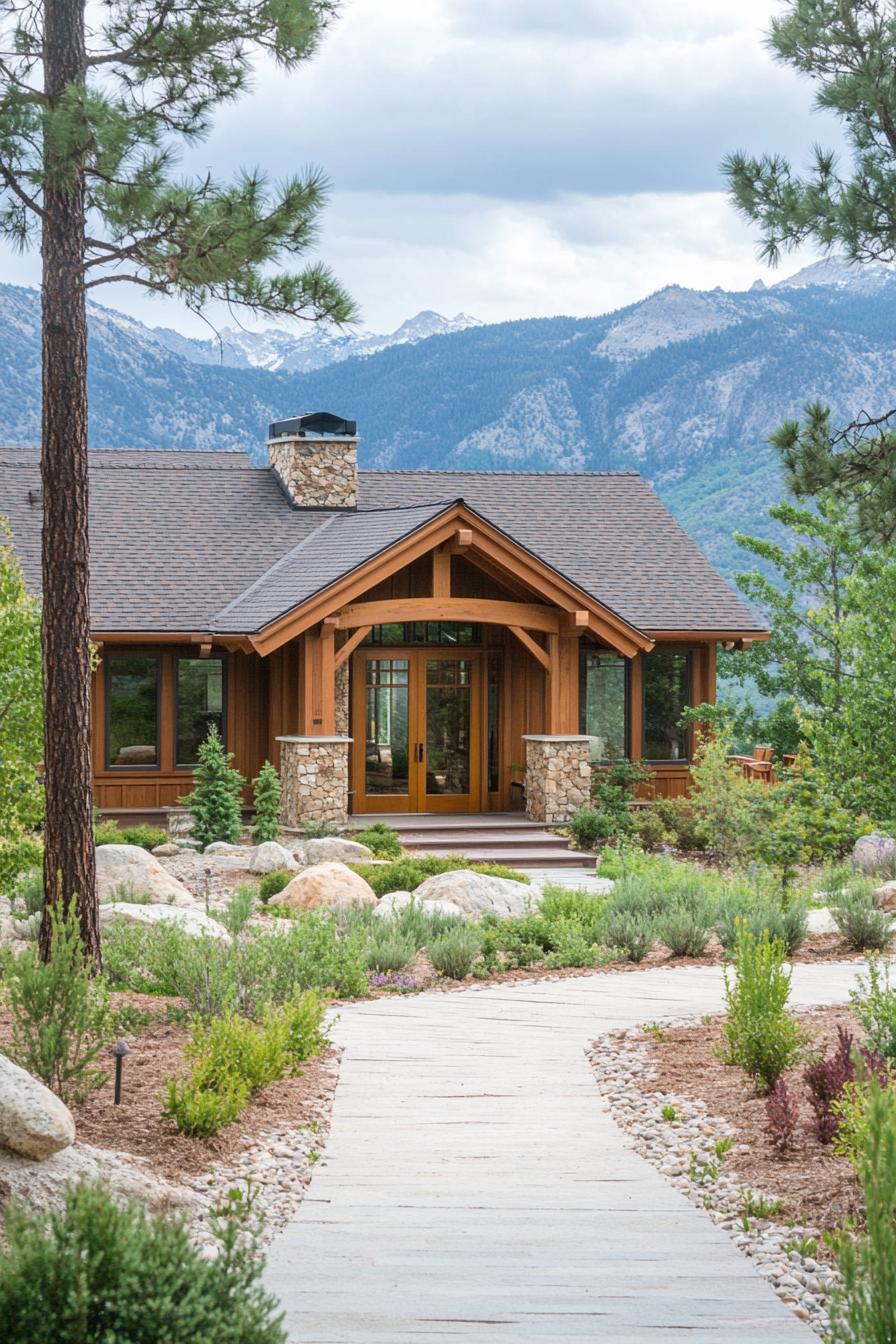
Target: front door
416,728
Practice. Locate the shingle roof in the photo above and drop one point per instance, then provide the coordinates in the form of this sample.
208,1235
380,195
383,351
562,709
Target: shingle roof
193,541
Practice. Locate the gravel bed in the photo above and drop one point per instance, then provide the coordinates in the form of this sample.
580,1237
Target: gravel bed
684,1151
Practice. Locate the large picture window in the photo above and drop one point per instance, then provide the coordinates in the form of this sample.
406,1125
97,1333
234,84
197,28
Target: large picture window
199,687
132,700
667,694
602,703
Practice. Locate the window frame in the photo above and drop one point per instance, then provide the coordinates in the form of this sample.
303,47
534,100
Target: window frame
688,654
593,649
175,698
108,661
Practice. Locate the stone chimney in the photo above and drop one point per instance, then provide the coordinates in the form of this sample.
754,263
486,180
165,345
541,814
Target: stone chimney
315,459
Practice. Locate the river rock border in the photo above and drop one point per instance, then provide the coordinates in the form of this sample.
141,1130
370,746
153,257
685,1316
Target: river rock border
684,1152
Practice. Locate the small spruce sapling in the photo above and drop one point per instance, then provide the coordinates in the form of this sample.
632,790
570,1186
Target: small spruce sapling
216,800
266,825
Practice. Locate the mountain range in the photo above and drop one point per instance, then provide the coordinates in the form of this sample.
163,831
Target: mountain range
684,386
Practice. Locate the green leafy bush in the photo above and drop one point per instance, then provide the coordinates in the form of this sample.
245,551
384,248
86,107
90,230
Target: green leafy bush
102,1270
586,910
18,854
106,832
239,909
28,892
591,827
453,953
863,1309
381,840
685,930
648,827
407,874
61,1018
216,801
200,1113
633,932
388,948
572,946
273,883
613,787
861,925
266,799
874,1006
762,1037
146,837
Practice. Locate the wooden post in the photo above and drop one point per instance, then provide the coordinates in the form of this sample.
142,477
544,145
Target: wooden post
636,707
317,686
441,574
562,684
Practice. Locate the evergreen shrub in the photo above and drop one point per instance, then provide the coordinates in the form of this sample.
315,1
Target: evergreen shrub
216,801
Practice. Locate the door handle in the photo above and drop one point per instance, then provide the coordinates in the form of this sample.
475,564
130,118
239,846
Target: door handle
418,752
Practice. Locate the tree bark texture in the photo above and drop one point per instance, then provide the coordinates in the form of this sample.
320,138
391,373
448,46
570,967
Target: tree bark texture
69,857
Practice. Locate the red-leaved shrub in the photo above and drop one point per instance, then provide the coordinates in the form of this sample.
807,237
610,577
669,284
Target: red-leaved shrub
828,1076
782,1115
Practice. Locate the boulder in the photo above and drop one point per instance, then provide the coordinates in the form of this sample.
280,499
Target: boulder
190,918
167,850
478,894
128,868
392,902
885,896
223,847
875,852
33,1121
334,849
442,907
325,886
269,856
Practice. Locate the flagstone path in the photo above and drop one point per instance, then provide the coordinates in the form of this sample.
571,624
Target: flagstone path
474,1186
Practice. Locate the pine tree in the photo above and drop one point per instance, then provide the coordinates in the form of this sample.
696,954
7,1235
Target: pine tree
267,805
216,800
849,50
90,127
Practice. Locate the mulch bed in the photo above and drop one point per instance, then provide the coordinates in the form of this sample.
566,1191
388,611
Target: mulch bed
138,1126
817,1187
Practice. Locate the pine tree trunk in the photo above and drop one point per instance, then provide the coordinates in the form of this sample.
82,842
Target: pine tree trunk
69,859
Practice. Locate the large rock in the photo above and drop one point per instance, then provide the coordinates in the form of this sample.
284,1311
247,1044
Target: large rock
190,918
43,1186
885,896
875,852
394,901
130,869
334,849
33,1121
268,857
325,886
478,894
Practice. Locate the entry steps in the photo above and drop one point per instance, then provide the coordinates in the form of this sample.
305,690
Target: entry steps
483,837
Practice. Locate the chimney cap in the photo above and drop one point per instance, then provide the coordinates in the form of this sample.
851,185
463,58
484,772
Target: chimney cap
316,425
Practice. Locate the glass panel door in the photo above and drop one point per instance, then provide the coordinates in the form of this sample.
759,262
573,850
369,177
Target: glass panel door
450,741
386,754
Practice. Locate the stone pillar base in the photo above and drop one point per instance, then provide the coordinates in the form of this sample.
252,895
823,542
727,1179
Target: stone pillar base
313,779
558,776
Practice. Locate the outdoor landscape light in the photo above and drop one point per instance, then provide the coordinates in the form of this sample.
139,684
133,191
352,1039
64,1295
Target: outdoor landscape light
119,1050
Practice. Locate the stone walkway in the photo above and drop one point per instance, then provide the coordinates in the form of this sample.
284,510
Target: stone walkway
474,1186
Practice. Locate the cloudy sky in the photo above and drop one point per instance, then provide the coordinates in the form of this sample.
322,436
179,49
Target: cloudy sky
518,158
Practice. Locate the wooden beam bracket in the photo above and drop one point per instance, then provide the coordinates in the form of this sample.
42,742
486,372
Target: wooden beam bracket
541,655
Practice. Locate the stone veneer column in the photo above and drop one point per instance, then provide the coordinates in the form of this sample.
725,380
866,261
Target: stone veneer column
558,776
313,779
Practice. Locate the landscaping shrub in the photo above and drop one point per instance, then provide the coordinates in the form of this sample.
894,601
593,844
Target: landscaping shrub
634,933
863,1309
273,883
266,800
789,926
782,1116
762,1038
587,911
28,892
613,788
572,946
200,1113
861,925
591,827
874,1006
407,874
61,1018
216,801
648,827
239,909
521,942
825,1080
99,1270
421,925
106,832
725,805
381,840
453,953
307,951
685,930
146,837
388,948
18,854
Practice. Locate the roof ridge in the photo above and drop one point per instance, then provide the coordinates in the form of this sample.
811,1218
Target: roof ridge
463,471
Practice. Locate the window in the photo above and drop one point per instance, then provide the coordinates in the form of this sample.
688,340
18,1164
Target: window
424,632
199,687
603,680
667,693
494,722
132,700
